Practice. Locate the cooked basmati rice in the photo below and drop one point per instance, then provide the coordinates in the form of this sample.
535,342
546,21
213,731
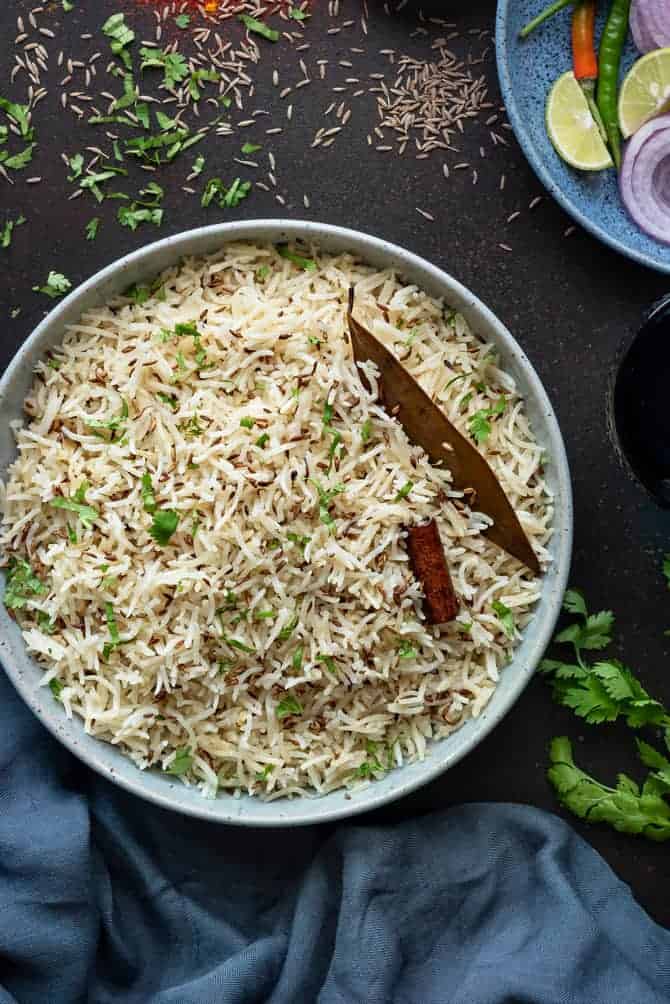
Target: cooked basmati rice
262,649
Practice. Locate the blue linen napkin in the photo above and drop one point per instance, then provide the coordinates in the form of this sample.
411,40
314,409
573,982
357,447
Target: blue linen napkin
104,898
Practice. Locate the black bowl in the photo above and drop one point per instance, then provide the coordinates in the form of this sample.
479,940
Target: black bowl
641,402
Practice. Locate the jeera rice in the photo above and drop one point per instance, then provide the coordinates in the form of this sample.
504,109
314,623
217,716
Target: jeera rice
204,526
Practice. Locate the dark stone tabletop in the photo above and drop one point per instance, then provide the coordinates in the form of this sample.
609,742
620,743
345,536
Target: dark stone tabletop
567,299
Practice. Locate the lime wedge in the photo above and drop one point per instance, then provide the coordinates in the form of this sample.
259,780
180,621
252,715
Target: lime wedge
645,92
572,129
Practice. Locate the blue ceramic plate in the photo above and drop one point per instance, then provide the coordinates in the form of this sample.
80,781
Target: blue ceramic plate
527,69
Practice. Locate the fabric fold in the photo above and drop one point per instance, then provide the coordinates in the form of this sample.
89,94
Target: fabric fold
105,898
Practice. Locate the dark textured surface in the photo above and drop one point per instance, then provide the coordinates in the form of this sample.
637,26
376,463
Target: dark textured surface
569,302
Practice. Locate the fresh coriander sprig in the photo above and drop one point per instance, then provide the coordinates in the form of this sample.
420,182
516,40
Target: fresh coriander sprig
627,808
604,692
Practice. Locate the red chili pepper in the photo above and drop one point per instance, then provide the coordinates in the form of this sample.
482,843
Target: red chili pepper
584,58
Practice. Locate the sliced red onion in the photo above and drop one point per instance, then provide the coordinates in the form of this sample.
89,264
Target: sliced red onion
650,24
638,26
644,178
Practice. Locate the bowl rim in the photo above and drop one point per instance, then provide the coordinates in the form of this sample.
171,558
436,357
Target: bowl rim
314,809
535,160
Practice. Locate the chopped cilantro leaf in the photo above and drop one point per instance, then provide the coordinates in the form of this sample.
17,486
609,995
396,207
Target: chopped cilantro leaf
198,165
185,329
197,77
289,705
335,442
77,504
173,65
120,35
182,20
7,230
148,497
247,422
329,663
92,228
480,426
18,114
233,642
164,524
191,427
262,775
296,661
55,286
251,148
20,584
133,215
55,686
301,541
45,623
169,399
227,198
263,615
366,431
406,650
404,491
112,627
138,294
19,160
181,763
76,163
258,27
372,764
262,440
297,14
113,424
284,251
506,618
262,273
288,628
326,496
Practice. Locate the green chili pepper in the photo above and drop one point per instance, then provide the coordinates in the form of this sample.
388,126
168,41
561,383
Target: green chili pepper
609,60
544,15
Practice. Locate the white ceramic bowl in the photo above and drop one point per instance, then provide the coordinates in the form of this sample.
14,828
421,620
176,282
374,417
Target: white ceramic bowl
142,266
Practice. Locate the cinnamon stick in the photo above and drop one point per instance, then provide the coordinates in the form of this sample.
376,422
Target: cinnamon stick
429,565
